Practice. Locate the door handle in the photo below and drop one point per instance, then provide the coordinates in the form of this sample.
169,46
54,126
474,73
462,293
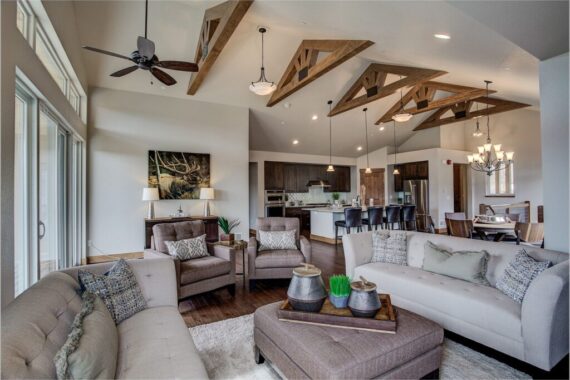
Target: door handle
41,229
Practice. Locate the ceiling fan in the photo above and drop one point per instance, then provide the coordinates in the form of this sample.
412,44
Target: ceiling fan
145,59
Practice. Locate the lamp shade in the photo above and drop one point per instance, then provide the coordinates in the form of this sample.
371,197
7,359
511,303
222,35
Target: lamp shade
206,193
150,194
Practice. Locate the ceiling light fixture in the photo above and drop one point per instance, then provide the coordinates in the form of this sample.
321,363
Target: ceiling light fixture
477,132
330,168
442,36
368,170
315,117
489,158
396,171
359,148
262,86
402,116
381,129
295,142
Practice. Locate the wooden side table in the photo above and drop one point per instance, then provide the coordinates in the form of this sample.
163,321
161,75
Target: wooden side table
238,245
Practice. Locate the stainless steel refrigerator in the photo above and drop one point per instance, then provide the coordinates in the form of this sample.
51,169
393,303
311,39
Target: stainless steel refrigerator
416,192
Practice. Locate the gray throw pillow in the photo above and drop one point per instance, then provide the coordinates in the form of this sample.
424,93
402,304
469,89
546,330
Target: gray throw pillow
82,356
188,249
465,265
519,274
118,289
269,240
390,247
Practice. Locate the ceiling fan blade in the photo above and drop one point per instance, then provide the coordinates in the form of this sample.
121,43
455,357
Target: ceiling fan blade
106,52
178,65
126,71
145,47
162,76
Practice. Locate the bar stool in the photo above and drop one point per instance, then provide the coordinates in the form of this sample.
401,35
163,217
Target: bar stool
392,216
375,218
352,219
408,215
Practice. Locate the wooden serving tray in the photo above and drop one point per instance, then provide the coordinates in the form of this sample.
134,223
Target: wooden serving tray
383,322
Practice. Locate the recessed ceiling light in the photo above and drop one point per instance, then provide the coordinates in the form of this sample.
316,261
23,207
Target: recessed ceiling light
381,128
315,117
282,123
287,105
442,36
359,148
295,142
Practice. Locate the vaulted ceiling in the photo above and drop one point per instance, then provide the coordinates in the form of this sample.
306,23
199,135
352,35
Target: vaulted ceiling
402,32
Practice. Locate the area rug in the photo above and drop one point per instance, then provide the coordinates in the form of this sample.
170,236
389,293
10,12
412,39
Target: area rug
226,347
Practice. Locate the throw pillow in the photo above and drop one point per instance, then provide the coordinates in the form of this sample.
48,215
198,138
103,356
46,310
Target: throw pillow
188,248
118,289
269,240
390,247
465,265
82,356
519,274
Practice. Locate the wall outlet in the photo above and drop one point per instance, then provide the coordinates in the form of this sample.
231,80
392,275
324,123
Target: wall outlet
89,243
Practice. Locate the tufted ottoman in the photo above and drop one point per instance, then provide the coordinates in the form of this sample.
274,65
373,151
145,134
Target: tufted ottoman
308,351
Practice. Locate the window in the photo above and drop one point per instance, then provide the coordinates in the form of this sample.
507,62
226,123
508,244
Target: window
501,183
42,37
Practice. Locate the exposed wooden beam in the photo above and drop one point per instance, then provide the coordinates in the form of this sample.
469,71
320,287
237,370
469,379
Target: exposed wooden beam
305,68
463,110
217,27
423,97
372,81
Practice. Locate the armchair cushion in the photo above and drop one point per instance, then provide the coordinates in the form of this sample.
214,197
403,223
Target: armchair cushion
203,268
270,240
188,249
281,258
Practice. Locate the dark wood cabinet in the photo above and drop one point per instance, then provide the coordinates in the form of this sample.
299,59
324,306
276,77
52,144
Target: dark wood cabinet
423,170
411,170
290,178
210,224
274,179
293,178
343,179
302,179
399,179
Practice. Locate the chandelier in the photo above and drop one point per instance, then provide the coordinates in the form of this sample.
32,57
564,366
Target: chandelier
262,86
489,158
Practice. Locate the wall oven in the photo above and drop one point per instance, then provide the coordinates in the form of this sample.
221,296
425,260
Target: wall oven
274,203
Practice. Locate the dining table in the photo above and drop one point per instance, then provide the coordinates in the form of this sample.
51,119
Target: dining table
500,230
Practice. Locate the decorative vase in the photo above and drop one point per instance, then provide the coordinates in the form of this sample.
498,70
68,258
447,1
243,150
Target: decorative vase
340,302
228,238
363,301
307,291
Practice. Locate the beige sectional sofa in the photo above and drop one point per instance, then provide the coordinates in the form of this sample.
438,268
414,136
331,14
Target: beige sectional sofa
154,343
535,332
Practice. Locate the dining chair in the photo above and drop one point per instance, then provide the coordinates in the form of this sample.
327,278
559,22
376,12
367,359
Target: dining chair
453,216
513,217
529,233
408,216
461,228
375,218
392,216
352,219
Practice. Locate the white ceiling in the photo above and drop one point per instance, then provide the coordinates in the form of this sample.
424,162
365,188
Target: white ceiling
402,32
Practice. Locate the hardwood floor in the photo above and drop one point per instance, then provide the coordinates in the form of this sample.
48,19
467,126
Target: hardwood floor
218,305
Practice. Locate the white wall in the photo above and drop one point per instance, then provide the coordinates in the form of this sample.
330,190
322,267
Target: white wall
124,126
554,120
424,139
517,131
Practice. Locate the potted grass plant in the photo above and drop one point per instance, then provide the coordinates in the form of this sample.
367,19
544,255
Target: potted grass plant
339,290
227,227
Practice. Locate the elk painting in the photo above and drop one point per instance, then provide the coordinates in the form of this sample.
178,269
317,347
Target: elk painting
178,175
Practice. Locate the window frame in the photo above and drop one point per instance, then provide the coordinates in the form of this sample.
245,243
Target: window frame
508,173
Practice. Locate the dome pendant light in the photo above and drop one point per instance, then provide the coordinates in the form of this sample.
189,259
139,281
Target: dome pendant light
368,170
402,116
330,168
262,86
396,171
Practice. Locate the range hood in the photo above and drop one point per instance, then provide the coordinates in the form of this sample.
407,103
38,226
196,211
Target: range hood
318,183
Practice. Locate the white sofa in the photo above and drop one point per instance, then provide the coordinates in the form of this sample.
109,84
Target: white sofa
535,332
154,343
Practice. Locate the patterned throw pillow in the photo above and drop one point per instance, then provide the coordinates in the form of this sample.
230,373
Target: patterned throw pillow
389,247
118,289
269,240
518,275
188,248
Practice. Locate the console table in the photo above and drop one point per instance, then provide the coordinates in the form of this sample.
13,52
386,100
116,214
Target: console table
211,223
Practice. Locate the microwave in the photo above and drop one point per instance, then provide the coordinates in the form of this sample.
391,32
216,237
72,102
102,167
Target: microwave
274,197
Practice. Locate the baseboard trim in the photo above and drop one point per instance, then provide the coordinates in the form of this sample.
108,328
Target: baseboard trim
114,257
441,231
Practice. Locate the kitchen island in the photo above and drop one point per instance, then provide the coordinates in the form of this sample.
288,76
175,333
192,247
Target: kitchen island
322,222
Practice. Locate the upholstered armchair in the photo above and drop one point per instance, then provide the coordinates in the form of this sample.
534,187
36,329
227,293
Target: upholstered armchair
276,263
196,275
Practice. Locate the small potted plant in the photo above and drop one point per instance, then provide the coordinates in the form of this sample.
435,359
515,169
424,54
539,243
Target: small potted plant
339,290
227,227
336,197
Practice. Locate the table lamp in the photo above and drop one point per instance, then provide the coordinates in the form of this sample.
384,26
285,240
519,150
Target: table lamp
150,194
207,194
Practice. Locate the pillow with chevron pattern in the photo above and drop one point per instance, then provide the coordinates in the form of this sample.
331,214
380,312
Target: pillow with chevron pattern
188,249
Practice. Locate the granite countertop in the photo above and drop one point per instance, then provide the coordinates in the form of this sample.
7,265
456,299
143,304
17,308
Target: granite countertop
331,209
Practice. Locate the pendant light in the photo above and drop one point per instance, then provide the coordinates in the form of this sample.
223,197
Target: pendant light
262,86
477,132
402,116
368,170
330,168
396,171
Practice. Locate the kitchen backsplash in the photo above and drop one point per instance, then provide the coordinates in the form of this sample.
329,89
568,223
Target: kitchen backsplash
317,195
